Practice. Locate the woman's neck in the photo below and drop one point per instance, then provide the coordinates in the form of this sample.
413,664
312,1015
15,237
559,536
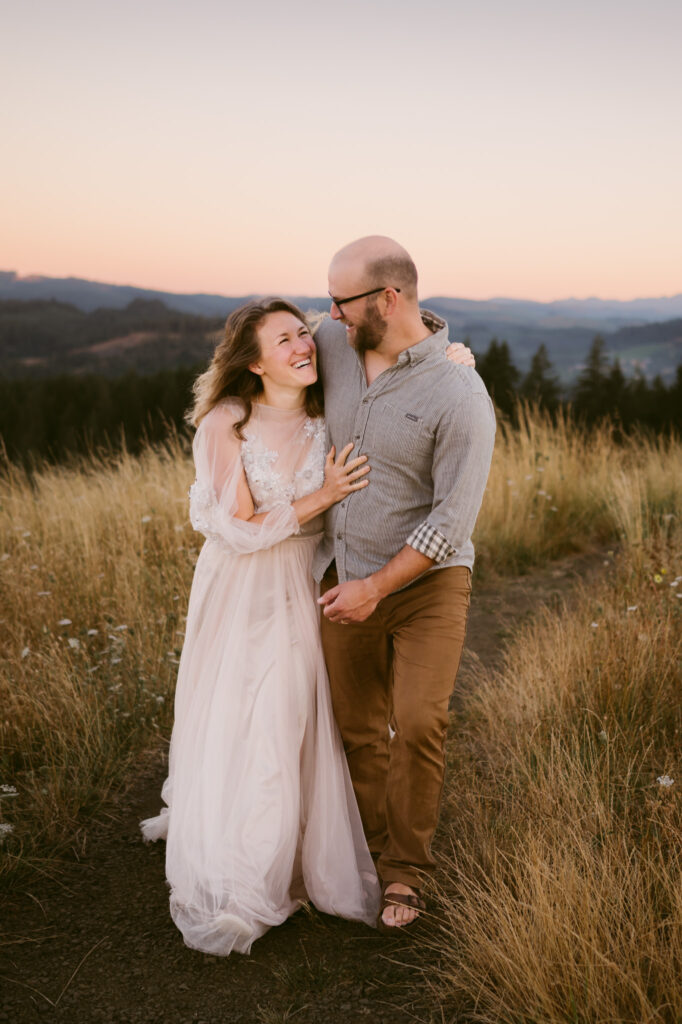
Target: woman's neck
281,397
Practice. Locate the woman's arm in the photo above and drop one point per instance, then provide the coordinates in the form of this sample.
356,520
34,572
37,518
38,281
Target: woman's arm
340,479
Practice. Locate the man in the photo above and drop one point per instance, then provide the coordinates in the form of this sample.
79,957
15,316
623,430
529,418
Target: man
395,562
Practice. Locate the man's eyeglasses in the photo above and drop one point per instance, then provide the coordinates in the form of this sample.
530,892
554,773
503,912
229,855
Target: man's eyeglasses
363,295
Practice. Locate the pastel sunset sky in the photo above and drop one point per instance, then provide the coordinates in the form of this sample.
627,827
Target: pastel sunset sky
529,149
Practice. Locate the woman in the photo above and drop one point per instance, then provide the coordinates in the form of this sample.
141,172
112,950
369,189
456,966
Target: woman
261,813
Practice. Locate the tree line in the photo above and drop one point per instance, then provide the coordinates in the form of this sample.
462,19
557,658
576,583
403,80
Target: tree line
57,417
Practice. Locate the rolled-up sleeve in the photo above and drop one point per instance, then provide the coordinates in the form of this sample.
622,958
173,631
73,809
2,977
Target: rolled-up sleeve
461,463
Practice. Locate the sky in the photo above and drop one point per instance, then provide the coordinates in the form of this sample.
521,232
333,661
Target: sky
527,149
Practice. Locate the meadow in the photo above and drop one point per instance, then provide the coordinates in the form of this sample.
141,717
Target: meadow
561,898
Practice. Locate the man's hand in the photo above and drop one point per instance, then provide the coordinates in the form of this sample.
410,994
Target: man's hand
350,602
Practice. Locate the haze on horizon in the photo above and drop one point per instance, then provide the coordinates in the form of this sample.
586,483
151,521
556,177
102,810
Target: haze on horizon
529,152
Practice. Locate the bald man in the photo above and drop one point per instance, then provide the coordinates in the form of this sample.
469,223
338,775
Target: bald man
396,558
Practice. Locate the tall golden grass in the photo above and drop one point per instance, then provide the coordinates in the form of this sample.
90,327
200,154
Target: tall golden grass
562,894
106,545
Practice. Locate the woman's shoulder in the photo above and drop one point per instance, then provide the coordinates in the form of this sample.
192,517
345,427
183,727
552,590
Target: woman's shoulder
220,420
227,410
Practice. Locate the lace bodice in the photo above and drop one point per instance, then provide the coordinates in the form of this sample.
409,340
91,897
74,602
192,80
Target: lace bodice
282,456
276,481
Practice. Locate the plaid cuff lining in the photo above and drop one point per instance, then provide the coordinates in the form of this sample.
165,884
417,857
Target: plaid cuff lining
430,542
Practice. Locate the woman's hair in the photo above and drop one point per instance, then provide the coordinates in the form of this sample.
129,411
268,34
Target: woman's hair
228,374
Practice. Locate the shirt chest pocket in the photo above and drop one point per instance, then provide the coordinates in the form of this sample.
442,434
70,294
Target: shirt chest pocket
397,433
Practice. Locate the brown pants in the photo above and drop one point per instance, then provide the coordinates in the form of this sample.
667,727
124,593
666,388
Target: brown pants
399,667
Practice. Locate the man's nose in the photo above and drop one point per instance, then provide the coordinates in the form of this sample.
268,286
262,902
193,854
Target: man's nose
334,312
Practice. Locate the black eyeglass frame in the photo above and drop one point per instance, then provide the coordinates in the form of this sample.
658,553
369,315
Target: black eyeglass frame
363,295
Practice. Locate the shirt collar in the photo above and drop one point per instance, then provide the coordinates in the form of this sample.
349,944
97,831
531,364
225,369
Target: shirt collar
435,342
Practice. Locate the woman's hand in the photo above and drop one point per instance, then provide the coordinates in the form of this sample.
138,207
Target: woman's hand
342,477
461,354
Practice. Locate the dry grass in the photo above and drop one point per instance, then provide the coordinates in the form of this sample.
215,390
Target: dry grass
554,489
562,896
96,562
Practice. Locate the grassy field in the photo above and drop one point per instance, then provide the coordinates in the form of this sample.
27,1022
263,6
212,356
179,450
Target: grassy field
563,891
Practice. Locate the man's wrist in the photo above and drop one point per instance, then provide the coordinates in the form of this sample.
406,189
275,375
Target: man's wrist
374,588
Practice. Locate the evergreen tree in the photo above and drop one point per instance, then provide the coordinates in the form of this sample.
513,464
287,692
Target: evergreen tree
590,394
500,375
539,384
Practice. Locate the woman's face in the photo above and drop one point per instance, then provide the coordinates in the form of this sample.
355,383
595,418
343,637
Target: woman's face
288,358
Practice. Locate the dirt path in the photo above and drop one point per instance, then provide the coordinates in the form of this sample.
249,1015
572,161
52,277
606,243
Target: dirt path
95,944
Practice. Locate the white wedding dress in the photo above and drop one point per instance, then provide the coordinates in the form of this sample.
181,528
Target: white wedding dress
260,808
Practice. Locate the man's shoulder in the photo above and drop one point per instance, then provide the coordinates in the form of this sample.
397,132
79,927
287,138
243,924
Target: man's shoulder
328,331
454,381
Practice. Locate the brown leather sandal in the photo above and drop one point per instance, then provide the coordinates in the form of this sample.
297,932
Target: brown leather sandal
399,899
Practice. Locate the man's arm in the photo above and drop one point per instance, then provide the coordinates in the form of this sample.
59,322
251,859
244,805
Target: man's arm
461,464
355,600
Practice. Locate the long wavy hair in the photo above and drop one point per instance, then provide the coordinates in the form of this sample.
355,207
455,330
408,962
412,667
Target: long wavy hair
228,375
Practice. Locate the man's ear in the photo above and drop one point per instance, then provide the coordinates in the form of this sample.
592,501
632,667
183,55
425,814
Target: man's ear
390,297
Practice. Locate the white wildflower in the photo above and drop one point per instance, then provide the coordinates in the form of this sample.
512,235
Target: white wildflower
116,661
595,625
5,829
119,628
74,643
665,781
25,652
146,519
542,492
554,508
33,568
8,790
44,593
541,469
64,622
4,556
93,632
633,607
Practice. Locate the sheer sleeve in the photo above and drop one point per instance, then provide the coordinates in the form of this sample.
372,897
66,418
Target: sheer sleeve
220,490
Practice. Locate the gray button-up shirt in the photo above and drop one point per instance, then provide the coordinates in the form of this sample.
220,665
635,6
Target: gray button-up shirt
427,426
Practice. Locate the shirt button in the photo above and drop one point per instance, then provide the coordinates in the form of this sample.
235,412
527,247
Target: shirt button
339,536
356,437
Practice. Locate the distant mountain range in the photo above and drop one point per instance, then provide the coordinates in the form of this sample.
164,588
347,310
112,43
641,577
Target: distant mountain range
91,325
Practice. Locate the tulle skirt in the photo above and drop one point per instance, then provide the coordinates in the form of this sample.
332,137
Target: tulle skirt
260,808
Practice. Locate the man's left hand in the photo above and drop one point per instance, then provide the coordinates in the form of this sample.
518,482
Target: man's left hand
350,602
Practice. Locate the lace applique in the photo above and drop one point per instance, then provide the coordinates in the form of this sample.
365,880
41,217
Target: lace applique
266,484
202,505
310,476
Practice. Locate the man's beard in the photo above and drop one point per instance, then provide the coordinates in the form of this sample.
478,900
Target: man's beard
370,333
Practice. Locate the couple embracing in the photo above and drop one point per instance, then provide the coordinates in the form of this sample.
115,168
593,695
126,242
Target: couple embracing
307,755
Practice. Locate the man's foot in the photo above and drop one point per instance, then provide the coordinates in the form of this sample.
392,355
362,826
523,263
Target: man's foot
400,906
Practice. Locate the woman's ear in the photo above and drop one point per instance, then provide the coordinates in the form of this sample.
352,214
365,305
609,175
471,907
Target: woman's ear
256,368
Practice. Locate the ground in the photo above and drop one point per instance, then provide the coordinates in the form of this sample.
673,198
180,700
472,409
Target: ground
91,941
